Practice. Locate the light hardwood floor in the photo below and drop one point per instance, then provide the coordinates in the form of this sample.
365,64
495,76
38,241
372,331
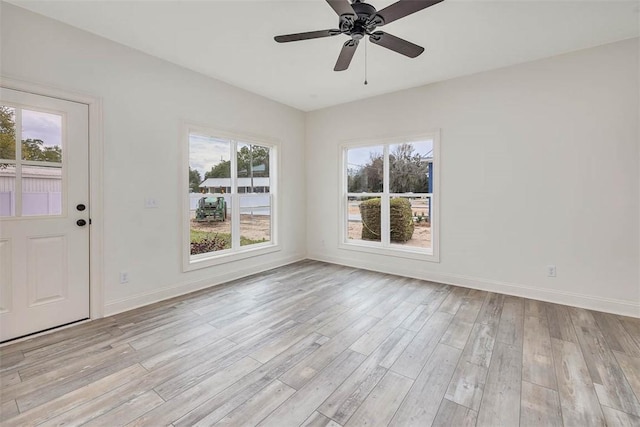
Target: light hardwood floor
317,344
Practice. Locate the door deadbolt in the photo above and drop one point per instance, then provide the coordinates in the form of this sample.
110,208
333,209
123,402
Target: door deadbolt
81,207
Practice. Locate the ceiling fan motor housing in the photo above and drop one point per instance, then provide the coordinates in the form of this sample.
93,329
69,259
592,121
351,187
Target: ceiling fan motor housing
366,20
364,11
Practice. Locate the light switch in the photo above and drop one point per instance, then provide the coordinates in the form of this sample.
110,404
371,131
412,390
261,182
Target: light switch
150,203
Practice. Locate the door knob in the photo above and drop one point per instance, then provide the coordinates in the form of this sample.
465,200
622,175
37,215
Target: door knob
81,222
81,207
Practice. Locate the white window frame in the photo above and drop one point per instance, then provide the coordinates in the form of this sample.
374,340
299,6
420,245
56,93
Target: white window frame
385,247
237,252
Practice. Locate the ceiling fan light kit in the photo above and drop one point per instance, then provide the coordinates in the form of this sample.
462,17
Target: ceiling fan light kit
359,19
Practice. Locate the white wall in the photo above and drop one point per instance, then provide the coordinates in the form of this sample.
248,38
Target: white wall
540,165
145,103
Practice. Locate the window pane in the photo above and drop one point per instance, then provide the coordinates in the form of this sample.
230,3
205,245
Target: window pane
41,190
209,163
410,221
255,219
7,190
253,168
7,133
210,223
409,167
365,169
363,221
41,136
209,193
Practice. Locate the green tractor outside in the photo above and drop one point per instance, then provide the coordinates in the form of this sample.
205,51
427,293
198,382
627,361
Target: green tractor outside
211,209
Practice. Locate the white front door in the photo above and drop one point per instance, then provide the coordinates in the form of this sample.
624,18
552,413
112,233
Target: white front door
44,213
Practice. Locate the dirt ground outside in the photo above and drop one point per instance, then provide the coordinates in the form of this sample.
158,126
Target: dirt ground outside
256,227
421,234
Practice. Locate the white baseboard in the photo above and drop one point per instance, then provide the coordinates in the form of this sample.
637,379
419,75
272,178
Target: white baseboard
140,300
608,305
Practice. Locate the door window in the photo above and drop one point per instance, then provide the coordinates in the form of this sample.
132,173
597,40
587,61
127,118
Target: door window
31,172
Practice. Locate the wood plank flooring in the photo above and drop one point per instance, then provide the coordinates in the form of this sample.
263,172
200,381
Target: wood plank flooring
315,344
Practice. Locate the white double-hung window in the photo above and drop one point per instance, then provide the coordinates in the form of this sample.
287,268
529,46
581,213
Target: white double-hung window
230,198
390,197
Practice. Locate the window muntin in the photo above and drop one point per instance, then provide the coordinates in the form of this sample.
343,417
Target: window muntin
396,213
231,195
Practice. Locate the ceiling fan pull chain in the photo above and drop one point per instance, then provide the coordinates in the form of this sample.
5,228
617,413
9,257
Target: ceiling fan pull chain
365,62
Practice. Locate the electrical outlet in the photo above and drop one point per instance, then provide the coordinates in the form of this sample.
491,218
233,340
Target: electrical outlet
124,277
551,270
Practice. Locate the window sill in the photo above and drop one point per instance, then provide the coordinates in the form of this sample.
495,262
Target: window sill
211,259
395,251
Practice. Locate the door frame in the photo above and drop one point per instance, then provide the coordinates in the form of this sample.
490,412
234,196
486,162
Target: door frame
96,146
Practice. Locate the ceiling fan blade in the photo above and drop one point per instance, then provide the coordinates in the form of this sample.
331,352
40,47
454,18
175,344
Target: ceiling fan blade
342,7
396,44
346,54
404,8
306,36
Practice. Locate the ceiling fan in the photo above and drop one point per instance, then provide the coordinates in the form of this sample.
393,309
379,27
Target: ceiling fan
359,19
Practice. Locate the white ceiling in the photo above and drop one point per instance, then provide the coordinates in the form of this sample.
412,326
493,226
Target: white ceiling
233,40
